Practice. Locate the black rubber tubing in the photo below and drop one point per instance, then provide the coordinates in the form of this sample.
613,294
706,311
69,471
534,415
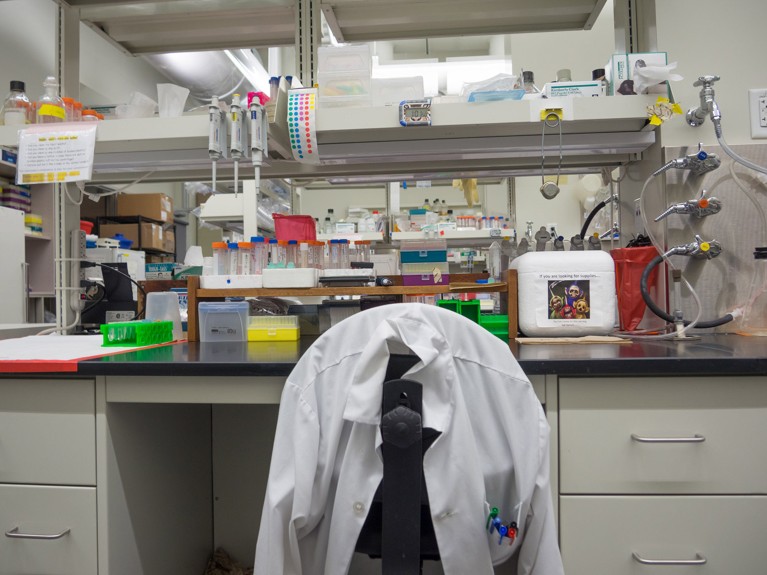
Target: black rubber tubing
593,213
662,314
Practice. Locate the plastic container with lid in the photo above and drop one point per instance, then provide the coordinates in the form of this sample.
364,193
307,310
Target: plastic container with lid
50,107
754,320
303,255
343,258
17,109
78,111
69,108
90,116
220,259
291,254
363,250
245,260
273,328
234,258
260,254
223,321
334,254
565,293
317,254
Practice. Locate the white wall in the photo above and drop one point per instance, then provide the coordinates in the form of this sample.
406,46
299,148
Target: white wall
581,51
27,43
713,37
565,210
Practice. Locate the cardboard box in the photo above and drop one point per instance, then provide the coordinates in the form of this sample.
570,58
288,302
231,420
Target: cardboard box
160,271
153,206
169,241
159,258
588,88
151,235
617,73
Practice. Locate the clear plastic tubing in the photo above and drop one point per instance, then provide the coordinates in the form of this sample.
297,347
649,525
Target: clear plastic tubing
260,254
234,258
220,258
246,258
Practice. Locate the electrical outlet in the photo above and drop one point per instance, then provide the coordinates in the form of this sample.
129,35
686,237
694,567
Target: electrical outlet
757,100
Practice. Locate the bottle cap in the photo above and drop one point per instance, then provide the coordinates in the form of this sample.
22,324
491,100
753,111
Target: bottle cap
233,246
292,242
598,74
218,245
257,239
527,76
17,85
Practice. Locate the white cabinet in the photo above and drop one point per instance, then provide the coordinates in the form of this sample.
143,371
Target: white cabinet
50,530
48,477
672,469
600,535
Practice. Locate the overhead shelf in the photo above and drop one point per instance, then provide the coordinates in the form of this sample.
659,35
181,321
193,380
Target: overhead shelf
465,139
146,26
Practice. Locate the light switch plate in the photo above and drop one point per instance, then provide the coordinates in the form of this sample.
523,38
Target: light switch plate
757,104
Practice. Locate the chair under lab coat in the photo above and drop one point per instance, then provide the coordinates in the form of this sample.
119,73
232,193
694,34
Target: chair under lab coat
488,467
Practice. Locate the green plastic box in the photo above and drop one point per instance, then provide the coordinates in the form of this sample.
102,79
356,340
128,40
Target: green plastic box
498,325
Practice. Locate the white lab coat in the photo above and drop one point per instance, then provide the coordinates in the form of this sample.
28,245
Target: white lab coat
326,462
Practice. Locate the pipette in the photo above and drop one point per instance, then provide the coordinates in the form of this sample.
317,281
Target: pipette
259,126
236,146
215,149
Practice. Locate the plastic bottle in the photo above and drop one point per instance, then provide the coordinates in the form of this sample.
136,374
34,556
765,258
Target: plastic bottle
328,226
443,208
69,109
50,107
426,205
246,258
333,220
755,314
220,259
260,255
234,258
291,254
435,206
494,269
528,83
17,108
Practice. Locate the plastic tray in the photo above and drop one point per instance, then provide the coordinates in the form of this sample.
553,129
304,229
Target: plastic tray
273,328
417,256
290,278
136,333
425,268
223,321
498,325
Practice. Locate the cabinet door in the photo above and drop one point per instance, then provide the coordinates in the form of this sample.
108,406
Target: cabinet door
13,288
663,435
50,530
599,535
47,432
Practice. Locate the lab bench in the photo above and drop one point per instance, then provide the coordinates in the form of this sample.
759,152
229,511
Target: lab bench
153,458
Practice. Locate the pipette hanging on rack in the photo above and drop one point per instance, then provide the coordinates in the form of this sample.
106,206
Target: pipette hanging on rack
238,144
217,135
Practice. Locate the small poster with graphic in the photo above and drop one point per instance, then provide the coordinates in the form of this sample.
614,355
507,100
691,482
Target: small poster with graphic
569,299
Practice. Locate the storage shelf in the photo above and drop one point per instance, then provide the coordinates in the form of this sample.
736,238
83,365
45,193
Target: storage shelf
196,294
36,237
465,139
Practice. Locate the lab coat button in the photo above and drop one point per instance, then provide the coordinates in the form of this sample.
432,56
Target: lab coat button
359,507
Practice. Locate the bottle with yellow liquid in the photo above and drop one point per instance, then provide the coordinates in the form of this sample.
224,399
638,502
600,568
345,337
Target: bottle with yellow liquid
50,107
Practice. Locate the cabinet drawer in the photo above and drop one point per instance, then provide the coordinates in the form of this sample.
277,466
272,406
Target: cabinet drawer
599,534
47,432
33,510
599,416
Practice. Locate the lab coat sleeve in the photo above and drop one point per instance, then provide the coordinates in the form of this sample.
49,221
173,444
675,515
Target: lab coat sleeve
285,516
539,553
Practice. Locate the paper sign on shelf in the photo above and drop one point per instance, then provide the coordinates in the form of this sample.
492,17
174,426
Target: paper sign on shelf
302,125
56,153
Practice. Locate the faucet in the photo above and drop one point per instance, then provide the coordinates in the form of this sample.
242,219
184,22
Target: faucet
696,116
699,208
697,249
611,233
698,163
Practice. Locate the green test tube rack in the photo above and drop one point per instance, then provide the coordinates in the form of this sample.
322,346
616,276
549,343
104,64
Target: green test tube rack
136,333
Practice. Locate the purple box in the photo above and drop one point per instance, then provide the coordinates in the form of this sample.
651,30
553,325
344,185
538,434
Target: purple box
424,280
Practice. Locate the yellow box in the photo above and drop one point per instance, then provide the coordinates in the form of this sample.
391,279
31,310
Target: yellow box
274,328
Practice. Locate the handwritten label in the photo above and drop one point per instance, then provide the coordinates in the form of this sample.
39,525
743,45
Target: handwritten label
56,153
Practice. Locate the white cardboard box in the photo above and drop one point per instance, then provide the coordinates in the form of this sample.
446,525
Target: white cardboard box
587,88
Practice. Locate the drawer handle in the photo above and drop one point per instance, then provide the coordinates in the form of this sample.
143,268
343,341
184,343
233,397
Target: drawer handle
14,534
694,439
699,560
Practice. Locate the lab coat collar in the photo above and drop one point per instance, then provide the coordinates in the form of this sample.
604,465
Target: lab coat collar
435,370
